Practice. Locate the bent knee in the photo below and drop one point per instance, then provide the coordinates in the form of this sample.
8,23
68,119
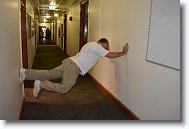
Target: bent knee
64,90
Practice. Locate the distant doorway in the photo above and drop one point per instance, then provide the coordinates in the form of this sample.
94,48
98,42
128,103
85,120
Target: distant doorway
83,24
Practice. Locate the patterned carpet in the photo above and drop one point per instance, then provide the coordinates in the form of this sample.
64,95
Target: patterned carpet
83,102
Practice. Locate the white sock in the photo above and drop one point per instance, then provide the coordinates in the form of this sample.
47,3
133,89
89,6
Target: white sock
22,75
37,88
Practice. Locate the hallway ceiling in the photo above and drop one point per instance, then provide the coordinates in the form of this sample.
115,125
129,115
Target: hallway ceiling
43,8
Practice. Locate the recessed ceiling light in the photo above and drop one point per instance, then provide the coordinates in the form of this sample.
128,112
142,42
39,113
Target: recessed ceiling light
52,6
48,16
56,14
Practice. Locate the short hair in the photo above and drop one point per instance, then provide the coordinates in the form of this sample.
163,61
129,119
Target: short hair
103,40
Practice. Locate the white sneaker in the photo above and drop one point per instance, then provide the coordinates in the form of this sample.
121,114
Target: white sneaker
37,88
22,75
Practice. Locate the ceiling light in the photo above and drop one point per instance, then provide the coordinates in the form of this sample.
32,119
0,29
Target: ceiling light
52,6
48,16
45,20
56,14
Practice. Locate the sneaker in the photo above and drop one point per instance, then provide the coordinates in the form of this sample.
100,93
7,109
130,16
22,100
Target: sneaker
37,88
22,75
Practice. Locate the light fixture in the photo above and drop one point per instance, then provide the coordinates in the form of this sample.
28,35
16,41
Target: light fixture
52,6
47,16
56,14
45,20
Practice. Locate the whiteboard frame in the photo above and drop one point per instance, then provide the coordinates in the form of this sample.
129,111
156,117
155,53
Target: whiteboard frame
170,67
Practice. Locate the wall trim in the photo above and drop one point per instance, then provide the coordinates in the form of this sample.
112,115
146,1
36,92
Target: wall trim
21,110
128,113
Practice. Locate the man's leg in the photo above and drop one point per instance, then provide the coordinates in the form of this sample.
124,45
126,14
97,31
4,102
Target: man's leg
70,74
42,74
69,77
31,74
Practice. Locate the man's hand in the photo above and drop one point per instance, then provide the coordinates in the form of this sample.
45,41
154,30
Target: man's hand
119,54
125,48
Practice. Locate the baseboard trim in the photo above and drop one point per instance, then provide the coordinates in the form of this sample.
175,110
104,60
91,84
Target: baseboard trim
128,113
21,110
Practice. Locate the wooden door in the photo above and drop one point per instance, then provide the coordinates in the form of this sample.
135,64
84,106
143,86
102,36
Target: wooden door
83,24
24,36
65,33
53,32
62,36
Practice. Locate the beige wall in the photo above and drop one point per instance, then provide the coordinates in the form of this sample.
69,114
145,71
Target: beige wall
151,91
73,28
11,94
31,40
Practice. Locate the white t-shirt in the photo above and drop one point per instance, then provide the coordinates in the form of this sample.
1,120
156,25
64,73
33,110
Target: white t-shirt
88,56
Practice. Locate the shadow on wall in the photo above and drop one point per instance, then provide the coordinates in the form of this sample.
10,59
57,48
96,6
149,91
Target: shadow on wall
122,76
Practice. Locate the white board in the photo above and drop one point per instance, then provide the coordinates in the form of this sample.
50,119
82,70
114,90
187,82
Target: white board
164,34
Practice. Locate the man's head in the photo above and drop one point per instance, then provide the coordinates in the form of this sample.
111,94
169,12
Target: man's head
104,43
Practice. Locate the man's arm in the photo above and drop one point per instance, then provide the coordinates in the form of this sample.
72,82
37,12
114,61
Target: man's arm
118,54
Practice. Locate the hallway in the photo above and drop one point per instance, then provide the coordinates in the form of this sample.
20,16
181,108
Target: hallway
144,84
83,102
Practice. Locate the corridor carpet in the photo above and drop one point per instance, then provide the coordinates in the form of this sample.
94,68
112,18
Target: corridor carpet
45,42
83,102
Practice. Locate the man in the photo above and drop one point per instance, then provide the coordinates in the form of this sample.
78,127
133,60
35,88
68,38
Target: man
70,68
48,35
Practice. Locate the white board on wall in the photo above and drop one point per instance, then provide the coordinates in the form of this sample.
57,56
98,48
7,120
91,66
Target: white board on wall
164,34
